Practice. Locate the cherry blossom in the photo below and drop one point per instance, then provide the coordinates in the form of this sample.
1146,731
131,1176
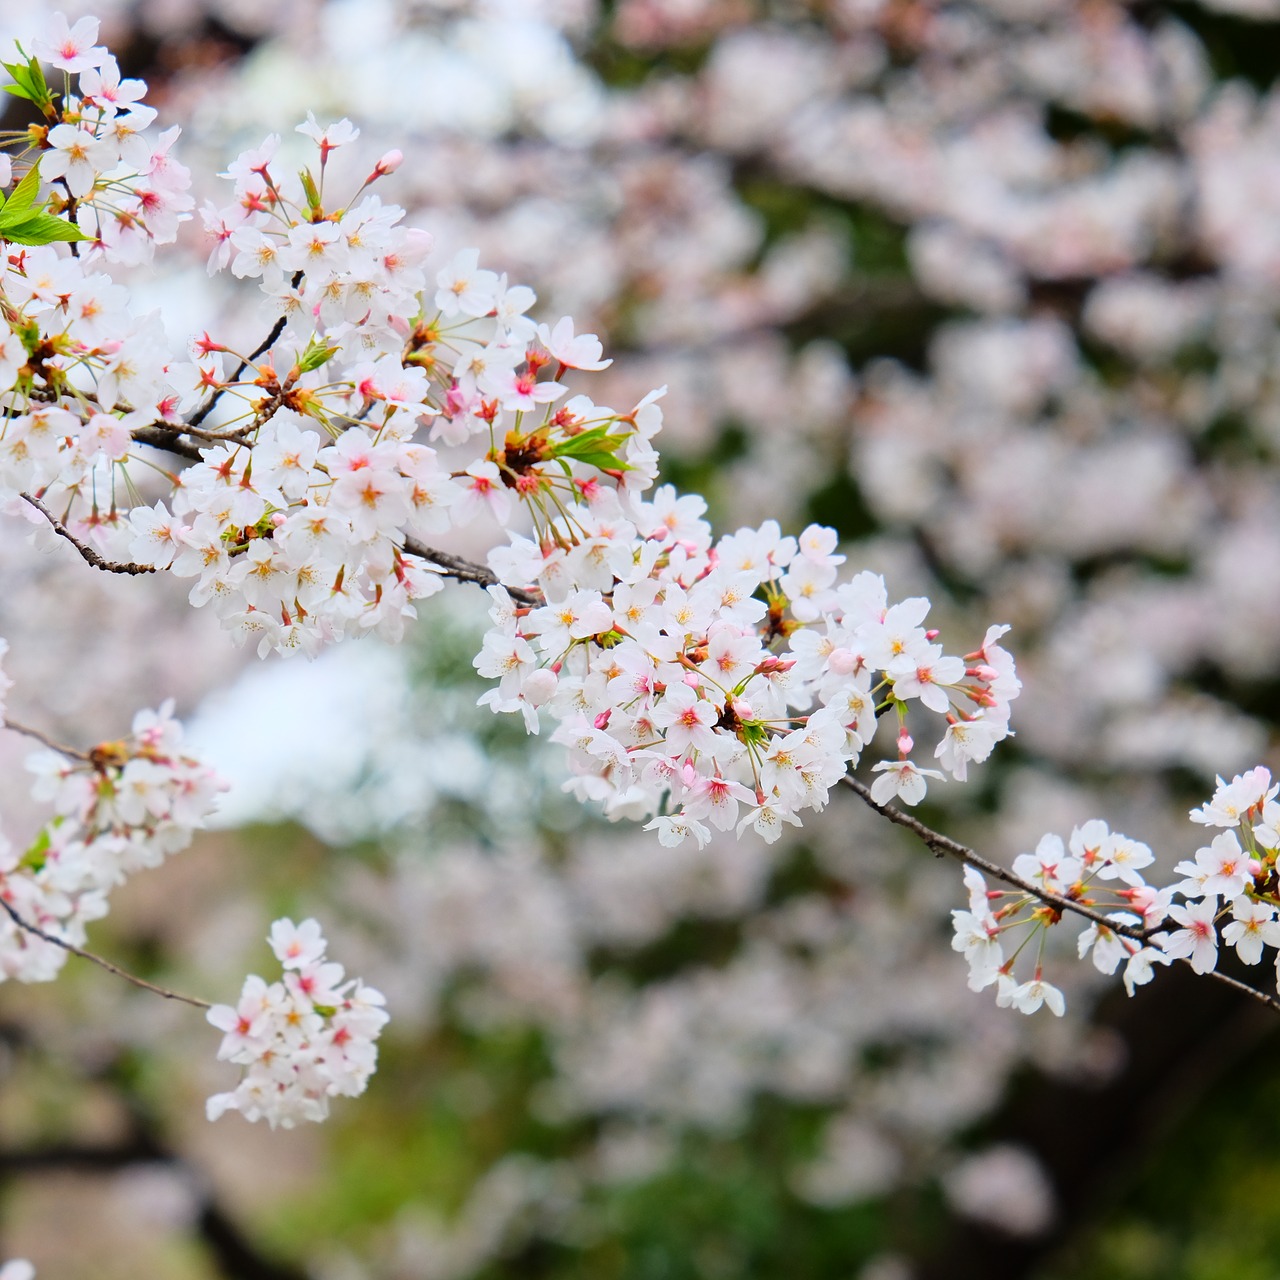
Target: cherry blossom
301,1041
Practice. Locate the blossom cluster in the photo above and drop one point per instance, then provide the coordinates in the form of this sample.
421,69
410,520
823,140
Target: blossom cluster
734,673
1041,487
690,678
1229,893
127,194
119,808
298,521
302,1040
78,369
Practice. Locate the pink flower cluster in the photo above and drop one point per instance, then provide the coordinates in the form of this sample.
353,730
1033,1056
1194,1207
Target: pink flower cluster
692,680
122,807
1230,886
689,678
295,541
303,1040
126,192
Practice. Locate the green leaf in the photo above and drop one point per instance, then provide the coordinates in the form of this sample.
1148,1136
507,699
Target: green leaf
28,82
309,186
590,444
40,228
23,197
36,855
592,434
605,461
21,223
315,355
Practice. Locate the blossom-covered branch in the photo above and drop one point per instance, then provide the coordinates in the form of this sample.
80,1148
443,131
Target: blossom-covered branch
1139,916
100,961
87,553
943,844
697,682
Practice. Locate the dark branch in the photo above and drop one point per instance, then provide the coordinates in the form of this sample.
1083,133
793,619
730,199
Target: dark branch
169,439
36,931
234,1254
87,552
264,346
941,845
461,570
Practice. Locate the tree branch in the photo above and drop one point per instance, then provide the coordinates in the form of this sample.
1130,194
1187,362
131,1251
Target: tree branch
941,845
87,552
265,345
233,1252
39,736
169,439
462,570
103,963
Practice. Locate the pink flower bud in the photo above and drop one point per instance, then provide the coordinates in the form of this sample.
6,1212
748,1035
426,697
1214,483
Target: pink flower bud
539,686
389,163
842,662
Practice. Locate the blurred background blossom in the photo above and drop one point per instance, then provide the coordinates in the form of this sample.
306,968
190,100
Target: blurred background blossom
991,288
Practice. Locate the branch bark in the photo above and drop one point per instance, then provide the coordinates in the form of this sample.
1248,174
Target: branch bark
100,961
27,731
462,570
87,553
944,845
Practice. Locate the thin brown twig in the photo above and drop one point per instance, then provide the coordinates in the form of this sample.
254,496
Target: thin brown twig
100,960
88,554
265,345
162,436
941,845
1272,1001
462,570
40,736
211,437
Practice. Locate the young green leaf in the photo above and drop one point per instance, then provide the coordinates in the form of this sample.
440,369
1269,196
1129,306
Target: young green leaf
315,355
23,196
309,187
28,82
38,228
596,441
605,461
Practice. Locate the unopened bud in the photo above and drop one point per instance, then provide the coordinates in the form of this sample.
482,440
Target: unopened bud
389,163
842,662
539,686
771,666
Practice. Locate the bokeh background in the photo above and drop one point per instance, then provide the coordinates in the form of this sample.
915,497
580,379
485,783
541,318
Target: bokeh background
991,287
